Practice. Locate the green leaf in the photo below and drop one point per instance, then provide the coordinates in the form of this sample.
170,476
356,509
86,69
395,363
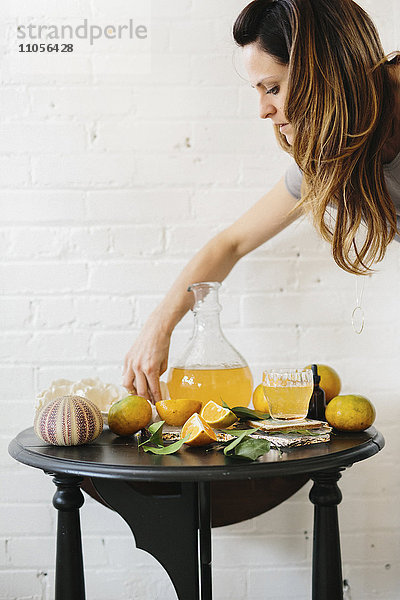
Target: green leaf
155,429
302,432
242,412
228,449
237,432
170,449
252,448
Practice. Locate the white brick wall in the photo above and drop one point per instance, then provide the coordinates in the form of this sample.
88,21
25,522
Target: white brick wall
109,181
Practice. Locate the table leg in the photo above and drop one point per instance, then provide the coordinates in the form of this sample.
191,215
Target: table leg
70,582
164,521
325,494
205,539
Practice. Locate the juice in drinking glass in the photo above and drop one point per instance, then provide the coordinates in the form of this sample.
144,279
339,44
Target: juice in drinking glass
288,392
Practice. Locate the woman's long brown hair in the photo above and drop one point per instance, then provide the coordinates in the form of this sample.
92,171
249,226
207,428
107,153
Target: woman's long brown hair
341,104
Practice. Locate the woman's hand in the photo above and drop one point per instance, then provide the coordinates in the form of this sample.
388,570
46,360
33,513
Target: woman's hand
146,361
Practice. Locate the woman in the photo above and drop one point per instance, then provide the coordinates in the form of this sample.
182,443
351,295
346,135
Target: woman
334,100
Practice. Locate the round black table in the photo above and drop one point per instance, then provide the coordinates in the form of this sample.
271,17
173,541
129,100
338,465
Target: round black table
166,501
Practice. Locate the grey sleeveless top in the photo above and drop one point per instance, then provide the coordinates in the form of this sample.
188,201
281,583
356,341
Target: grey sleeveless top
293,178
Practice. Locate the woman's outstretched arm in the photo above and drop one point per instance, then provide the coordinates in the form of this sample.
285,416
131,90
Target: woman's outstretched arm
147,359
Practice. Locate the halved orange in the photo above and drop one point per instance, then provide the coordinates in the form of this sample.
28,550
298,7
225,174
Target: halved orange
217,416
176,411
200,433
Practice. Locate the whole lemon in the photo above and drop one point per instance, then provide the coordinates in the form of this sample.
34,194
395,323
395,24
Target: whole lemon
259,400
176,411
330,381
350,413
129,415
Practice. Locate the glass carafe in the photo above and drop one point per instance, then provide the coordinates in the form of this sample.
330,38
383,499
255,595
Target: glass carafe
210,368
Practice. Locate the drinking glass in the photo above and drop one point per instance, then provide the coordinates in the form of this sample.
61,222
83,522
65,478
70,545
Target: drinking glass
288,393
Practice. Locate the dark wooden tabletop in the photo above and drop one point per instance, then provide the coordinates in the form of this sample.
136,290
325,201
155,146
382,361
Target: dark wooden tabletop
119,458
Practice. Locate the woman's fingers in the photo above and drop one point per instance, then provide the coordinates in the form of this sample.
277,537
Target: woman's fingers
141,385
128,376
153,381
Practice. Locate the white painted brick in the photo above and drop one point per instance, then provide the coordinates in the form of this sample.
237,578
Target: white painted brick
46,346
92,102
144,206
32,520
228,581
11,345
195,39
133,277
204,8
25,69
106,583
33,206
122,552
171,68
267,345
51,313
39,552
92,513
132,135
57,347
21,478
127,60
374,581
369,548
110,346
15,313
261,275
104,312
46,8
135,241
5,459
183,102
16,382
15,171
42,137
279,584
4,242
38,242
222,74
145,306
222,205
262,172
28,584
102,9
260,550
17,415
91,243
14,102
299,308
179,9
185,240
292,517
341,341
226,136
81,170
184,169
299,239
25,277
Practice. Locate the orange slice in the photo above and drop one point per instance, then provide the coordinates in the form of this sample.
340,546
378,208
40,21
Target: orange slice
217,416
200,433
176,411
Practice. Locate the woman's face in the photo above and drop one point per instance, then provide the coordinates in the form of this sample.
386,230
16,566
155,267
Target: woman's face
270,79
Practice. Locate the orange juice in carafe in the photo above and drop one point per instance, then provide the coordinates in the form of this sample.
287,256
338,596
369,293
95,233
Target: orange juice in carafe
210,368
233,385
